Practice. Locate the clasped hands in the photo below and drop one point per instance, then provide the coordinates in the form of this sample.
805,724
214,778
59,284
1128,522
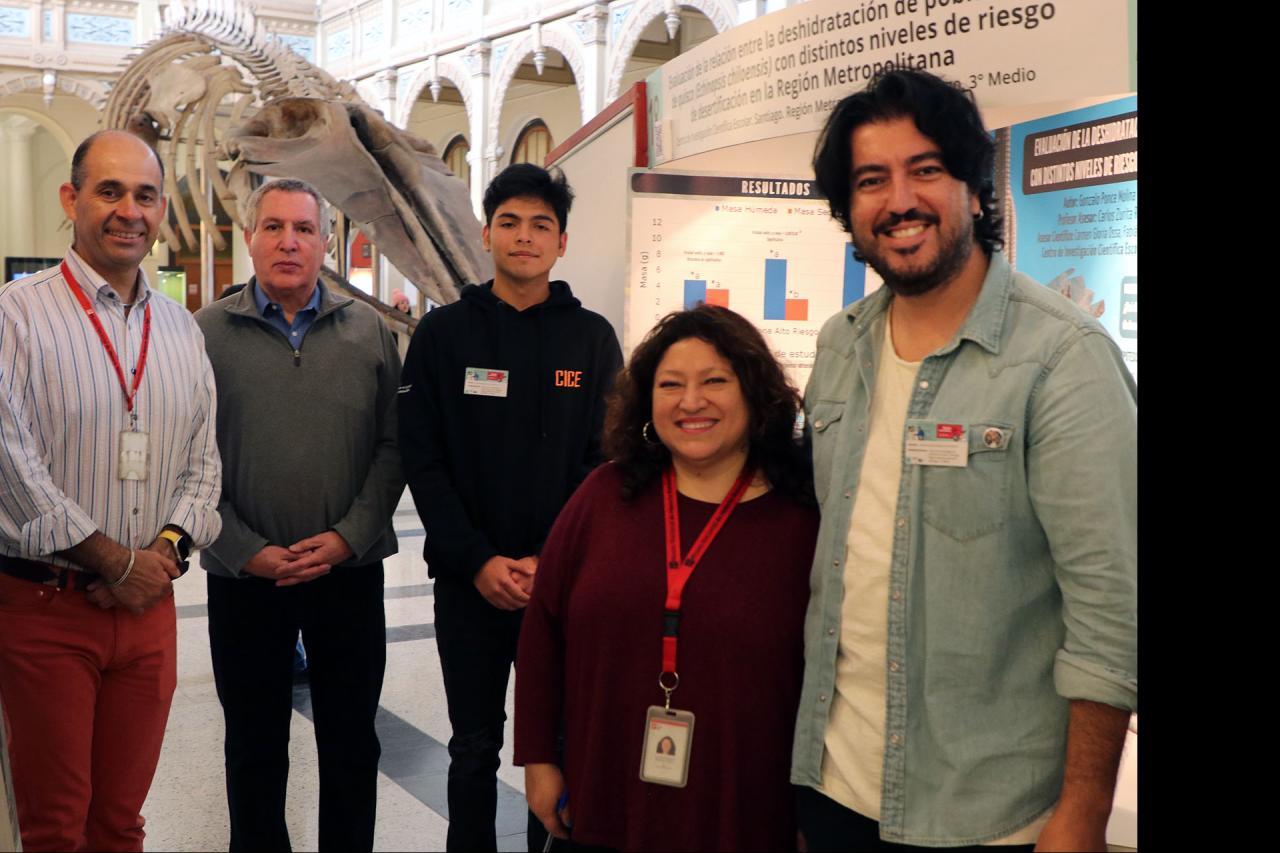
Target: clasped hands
304,560
506,583
155,568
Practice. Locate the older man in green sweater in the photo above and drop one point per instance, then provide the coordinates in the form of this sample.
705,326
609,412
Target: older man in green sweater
307,381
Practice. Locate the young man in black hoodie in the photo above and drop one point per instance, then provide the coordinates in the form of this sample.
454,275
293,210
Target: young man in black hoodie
501,408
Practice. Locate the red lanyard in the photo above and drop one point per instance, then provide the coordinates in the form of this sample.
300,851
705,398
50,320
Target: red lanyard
106,342
679,569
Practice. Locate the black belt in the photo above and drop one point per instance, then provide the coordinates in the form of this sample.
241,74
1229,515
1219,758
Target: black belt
43,573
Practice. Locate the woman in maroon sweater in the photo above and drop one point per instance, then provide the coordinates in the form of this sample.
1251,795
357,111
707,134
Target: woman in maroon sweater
701,429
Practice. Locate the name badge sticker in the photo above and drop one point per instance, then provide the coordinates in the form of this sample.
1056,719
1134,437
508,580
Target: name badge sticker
937,443
485,381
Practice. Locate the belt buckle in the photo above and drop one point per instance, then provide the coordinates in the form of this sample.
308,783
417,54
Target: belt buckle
61,578
58,578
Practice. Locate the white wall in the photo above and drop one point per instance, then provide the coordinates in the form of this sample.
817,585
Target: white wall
595,262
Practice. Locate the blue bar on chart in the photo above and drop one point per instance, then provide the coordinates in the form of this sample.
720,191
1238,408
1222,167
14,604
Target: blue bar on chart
855,277
775,288
695,291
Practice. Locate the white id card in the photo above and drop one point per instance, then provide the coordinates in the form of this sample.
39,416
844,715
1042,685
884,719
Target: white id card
936,443
134,455
668,739
485,381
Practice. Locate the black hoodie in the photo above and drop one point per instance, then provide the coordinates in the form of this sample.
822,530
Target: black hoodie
489,474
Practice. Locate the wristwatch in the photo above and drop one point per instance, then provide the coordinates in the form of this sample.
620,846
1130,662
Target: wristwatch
181,543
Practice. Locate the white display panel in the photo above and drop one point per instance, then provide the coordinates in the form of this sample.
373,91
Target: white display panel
763,247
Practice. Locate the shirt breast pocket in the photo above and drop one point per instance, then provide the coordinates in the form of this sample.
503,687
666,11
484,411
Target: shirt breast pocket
970,502
825,425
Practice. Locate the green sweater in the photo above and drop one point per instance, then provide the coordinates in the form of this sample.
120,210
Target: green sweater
307,437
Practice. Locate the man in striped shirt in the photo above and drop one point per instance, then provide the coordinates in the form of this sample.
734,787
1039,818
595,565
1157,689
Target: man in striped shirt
111,475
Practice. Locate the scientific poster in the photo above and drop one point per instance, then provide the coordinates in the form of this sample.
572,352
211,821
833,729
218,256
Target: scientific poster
782,73
765,247
1072,209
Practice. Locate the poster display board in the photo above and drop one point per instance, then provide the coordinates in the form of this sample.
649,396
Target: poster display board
767,247
1072,207
764,246
782,73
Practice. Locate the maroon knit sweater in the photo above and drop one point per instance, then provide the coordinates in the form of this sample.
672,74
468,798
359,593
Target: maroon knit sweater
590,652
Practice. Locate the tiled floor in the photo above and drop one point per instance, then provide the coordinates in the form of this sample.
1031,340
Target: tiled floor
187,808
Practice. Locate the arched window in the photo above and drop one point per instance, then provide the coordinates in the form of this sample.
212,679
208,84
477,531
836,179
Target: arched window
455,157
533,144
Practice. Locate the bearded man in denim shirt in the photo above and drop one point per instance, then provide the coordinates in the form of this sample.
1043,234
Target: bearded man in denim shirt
970,645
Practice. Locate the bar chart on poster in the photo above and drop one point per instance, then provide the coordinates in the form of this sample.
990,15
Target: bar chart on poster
763,247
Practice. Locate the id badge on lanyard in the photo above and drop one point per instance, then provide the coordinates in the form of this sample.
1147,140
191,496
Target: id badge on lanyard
132,445
668,732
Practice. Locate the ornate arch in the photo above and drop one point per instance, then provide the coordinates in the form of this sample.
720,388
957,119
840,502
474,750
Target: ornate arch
55,130
449,137
558,36
83,88
450,68
723,14
518,126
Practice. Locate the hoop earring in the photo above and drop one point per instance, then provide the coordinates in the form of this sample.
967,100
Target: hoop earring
644,433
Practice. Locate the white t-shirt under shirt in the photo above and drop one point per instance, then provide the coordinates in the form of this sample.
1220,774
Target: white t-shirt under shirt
853,761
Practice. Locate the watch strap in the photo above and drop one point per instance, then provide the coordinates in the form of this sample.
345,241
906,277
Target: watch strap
179,541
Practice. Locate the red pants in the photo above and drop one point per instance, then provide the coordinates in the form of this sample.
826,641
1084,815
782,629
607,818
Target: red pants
86,695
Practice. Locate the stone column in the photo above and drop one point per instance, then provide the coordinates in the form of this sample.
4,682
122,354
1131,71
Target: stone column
591,25
208,288
148,20
17,133
385,82
483,155
319,59
59,34
390,26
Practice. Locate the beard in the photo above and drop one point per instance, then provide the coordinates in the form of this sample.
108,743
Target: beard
954,250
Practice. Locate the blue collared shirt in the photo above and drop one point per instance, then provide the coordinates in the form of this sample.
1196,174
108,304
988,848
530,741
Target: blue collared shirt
274,314
1013,580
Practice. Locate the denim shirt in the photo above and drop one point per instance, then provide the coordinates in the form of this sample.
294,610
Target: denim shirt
1013,580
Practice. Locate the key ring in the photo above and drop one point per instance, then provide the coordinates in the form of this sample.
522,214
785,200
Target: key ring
668,690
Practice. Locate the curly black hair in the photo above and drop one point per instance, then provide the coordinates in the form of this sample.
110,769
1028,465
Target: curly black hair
942,111
772,403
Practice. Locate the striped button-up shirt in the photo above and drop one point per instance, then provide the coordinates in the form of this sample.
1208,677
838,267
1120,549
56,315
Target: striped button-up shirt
62,410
